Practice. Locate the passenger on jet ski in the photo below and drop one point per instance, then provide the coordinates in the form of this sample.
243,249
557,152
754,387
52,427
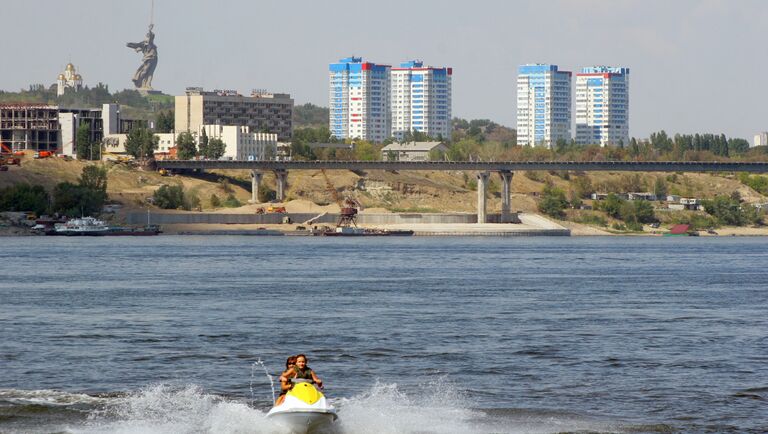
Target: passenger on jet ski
285,384
302,371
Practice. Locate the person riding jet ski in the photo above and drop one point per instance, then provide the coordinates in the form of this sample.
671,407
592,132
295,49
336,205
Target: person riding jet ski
304,408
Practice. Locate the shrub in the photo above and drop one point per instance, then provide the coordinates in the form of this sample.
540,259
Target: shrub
553,201
232,202
215,201
169,197
24,197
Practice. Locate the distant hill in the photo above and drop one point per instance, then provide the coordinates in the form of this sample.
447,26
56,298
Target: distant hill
134,105
310,115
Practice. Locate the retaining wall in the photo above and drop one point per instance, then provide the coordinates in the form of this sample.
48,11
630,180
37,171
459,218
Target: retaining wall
138,218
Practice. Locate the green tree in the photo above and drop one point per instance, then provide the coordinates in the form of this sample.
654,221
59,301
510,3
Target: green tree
94,178
553,202
202,148
185,146
164,121
216,149
141,144
83,141
612,205
24,197
660,188
169,197
729,211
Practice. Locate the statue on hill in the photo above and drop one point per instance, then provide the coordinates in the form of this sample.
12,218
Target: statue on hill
142,79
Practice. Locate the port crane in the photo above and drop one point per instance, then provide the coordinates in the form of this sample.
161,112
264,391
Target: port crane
348,206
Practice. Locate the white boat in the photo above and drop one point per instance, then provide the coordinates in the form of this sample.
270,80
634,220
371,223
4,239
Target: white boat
304,410
81,226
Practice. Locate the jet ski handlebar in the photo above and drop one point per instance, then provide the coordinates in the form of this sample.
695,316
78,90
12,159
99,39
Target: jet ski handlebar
301,380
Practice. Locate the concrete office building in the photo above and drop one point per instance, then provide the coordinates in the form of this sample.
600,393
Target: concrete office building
262,111
543,105
359,100
421,100
602,106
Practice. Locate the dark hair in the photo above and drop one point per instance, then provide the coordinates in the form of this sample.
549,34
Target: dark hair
291,361
301,355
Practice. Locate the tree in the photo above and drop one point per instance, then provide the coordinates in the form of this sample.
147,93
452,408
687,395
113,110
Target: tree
612,205
660,188
169,197
729,211
185,146
141,143
164,121
553,201
83,141
94,178
24,197
216,149
202,148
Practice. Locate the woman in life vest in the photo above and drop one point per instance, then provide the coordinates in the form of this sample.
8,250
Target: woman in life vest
285,385
301,370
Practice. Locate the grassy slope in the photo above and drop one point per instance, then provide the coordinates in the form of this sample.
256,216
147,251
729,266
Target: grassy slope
403,191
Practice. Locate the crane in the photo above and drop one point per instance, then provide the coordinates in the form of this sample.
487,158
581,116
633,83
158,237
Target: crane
348,206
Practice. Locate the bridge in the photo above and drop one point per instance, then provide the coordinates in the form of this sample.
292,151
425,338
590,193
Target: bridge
505,169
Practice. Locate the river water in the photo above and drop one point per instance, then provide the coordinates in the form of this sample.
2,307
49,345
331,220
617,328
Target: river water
411,335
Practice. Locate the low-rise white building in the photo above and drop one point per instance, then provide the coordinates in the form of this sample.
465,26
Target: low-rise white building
241,143
411,151
761,139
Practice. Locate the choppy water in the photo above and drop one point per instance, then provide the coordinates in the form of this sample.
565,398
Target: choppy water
411,335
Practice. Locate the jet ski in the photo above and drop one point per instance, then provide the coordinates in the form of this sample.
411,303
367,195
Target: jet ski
304,410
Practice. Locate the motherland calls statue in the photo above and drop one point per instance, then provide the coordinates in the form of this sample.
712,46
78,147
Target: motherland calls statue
142,79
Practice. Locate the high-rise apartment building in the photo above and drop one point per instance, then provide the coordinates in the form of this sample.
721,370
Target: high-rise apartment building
359,100
543,105
602,106
261,112
421,100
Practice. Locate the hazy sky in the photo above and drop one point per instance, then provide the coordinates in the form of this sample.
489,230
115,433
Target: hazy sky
696,66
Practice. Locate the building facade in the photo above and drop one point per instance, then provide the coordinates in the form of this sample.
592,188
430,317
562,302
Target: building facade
543,105
262,111
359,100
761,139
602,106
241,143
421,100
412,151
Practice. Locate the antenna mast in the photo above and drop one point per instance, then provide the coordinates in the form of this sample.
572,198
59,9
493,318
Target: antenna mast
152,14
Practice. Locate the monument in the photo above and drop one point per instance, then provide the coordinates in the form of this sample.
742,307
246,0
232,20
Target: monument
142,79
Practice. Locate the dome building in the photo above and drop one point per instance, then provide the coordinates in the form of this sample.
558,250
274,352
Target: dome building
69,79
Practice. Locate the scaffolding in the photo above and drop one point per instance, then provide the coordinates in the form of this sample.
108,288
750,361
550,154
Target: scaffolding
29,126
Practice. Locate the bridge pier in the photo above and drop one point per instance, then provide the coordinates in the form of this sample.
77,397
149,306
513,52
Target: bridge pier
281,184
506,196
256,176
482,186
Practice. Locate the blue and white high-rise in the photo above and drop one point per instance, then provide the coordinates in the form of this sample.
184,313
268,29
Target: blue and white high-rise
421,100
543,105
359,100
602,106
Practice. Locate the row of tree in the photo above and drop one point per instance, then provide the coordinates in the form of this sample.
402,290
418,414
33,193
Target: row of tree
86,197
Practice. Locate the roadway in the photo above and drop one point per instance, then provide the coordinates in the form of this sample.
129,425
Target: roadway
490,166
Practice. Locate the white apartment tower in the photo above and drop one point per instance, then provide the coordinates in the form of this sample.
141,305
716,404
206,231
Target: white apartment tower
421,100
359,100
602,106
543,105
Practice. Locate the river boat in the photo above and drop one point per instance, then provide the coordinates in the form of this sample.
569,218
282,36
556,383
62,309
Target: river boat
93,227
304,410
348,231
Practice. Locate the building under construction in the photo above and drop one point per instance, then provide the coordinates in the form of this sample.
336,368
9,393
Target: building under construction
29,126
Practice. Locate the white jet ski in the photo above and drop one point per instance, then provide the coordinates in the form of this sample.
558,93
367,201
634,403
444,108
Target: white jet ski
304,410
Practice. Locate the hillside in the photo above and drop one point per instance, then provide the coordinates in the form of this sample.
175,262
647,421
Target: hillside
383,191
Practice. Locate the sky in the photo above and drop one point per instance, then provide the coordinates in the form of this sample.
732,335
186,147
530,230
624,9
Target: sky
696,66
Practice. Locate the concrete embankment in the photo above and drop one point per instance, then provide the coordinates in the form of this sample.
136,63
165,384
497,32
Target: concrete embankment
423,224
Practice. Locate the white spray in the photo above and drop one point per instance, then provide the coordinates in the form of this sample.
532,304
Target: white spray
266,372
